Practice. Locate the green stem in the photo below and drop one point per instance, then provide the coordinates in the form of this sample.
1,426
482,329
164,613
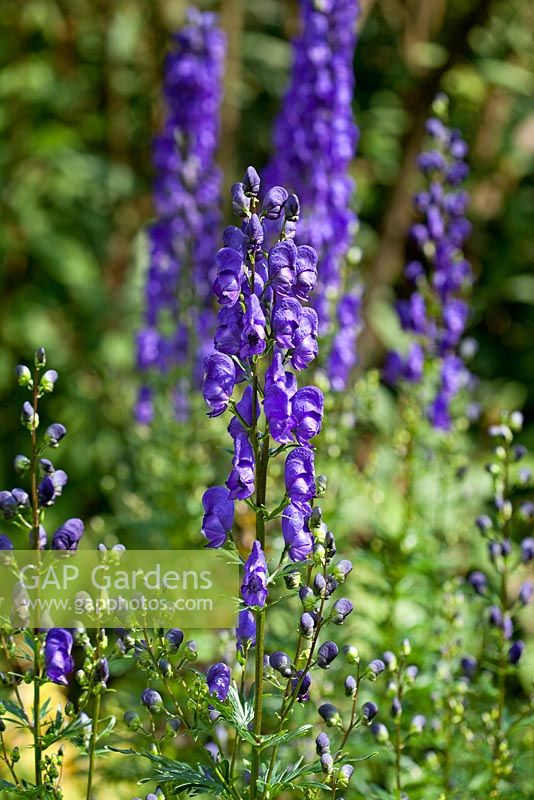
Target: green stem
92,745
35,533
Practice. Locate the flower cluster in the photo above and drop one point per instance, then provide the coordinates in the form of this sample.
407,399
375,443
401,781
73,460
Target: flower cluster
435,313
178,315
500,586
316,138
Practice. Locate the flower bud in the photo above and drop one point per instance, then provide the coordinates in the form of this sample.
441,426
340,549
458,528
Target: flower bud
516,421
281,662
369,712
380,732
251,182
172,726
341,570
165,667
191,651
411,674
23,375
21,464
152,700
292,208
307,598
351,654
350,686
307,625
322,744
55,433
396,708
292,580
374,669
417,724
483,523
240,202
174,638
321,484
406,647
341,610
132,720
48,380
40,357
330,714
327,763
319,585
28,417
525,593
344,776
516,651
326,654
315,519
390,660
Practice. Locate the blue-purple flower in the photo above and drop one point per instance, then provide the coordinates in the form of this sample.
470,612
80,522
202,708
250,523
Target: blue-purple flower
300,475
219,382
68,535
218,515
254,586
218,680
58,659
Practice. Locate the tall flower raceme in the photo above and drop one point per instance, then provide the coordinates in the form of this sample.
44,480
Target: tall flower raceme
315,142
47,655
504,590
178,318
436,312
266,337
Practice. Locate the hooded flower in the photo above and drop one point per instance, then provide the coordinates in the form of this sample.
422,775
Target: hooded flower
219,382
218,680
218,515
297,535
246,630
254,586
307,411
300,475
58,660
68,535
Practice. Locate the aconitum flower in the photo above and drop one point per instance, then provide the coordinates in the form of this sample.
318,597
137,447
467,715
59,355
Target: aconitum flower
174,638
6,543
58,660
219,382
478,581
307,412
369,711
301,684
254,586
182,239
246,630
152,700
68,535
516,651
218,515
439,273
218,680
300,475
315,142
297,535
281,662
326,654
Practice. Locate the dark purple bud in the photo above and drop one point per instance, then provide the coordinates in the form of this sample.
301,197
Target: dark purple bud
102,670
273,202
55,433
251,182
322,744
469,666
40,357
520,451
319,585
46,491
326,654
281,662
218,680
8,505
292,208
350,686
330,714
5,543
303,693
174,638
341,610
152,700
478,581
369,711
396,708
516,651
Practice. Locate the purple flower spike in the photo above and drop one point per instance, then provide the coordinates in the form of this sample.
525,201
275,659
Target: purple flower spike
219,382
218,515
254,586
58,660
300,475
218,680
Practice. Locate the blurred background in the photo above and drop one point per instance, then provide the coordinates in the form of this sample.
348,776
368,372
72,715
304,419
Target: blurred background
80,102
